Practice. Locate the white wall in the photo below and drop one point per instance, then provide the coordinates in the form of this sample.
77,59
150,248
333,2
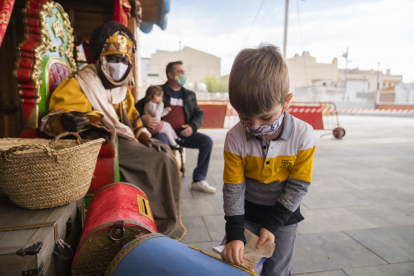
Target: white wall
304,70
197,64
404,93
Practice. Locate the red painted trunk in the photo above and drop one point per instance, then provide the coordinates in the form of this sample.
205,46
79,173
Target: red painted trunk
117,213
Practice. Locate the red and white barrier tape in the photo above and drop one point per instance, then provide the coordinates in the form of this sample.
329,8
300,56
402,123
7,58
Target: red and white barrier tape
376,111
361,111
305,110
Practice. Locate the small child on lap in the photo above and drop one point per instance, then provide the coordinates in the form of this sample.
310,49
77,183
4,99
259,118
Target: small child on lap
268,159
154,106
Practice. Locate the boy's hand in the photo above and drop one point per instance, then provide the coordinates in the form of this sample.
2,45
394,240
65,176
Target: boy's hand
168,109
265,235
233,252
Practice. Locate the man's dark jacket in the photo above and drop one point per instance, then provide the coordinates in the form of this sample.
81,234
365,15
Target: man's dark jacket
192,112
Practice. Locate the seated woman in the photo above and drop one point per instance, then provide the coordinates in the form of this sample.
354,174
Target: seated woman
103,86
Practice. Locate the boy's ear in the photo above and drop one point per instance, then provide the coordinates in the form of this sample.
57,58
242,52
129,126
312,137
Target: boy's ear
287,101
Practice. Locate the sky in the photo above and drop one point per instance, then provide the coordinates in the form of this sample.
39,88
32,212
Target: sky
373,30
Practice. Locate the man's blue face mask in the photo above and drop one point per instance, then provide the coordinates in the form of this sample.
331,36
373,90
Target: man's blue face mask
180,79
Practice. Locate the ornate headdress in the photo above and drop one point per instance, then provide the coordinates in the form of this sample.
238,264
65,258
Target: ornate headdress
119,43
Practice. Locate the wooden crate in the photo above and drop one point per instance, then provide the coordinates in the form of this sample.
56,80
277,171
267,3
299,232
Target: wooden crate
28,238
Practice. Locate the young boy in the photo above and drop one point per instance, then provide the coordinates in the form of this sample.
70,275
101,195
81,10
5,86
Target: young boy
268,159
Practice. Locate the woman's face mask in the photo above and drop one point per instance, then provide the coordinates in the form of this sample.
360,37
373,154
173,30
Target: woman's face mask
268,129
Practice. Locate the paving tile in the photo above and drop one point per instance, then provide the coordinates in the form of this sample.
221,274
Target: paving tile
354,171
325,273
385,215
383,196
331,184
331,200
409,190
403,269
196,230
218,194
393,244
218,178
331,220
330,251
186,182
406,208
205,246
377,182
201,207
215,227
407,170
185,191
211,180
216,167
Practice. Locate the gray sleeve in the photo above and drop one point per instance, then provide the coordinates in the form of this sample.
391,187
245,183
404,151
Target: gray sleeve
233,197
293,193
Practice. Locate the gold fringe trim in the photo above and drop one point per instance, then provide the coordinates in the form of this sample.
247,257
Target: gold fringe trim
179,199
224,261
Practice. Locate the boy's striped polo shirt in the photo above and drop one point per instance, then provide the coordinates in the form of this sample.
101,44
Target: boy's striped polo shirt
264,182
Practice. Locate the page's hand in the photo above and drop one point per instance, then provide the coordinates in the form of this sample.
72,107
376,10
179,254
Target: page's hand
188,130
149,121
72,123
265,235
159,148
233,252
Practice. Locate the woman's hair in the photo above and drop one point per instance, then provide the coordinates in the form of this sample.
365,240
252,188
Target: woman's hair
152,91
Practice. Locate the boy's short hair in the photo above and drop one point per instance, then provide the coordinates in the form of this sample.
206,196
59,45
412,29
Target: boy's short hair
258,81
170,66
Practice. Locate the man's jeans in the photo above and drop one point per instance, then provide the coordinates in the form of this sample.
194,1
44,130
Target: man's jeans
279,263
195,141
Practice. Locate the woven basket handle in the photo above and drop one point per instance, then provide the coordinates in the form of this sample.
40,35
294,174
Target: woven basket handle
7,154
57,138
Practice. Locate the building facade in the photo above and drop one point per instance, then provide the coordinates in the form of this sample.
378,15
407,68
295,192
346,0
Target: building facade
312,81
305,71
197,64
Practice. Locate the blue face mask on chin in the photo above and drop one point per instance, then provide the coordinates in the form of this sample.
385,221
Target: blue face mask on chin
180,79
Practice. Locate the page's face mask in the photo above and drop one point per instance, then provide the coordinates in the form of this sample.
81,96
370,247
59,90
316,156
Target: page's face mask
268,129
116,70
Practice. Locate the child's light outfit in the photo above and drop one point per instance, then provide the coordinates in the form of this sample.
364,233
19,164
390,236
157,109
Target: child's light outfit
158,111
264,184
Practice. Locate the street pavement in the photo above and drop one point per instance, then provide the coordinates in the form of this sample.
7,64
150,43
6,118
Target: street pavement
359,211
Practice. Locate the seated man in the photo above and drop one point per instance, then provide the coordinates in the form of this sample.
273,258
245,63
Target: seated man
103,86
185,118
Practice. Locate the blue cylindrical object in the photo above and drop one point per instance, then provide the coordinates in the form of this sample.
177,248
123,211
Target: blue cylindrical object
156,254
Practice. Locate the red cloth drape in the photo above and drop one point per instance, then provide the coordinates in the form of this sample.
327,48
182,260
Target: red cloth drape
122,11
6,7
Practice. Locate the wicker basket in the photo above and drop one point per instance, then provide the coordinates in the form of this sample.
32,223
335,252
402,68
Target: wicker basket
43,173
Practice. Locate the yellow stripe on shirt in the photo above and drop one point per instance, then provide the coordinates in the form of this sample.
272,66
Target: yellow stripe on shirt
304,165
279,168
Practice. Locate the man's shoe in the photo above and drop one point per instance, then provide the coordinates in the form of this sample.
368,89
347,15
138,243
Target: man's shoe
203,186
